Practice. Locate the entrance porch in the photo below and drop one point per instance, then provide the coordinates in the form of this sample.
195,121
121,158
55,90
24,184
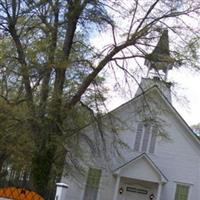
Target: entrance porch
139,179
133,189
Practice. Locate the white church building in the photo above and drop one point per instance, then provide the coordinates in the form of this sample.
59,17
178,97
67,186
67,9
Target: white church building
159,155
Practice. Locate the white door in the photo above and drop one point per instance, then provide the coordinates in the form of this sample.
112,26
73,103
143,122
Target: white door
135,193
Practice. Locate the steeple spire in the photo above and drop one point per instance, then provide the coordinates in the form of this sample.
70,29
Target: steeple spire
160,58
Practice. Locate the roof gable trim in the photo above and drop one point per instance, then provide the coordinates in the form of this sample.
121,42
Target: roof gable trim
143,155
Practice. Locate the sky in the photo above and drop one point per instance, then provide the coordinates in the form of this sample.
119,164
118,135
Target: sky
185,93
187,89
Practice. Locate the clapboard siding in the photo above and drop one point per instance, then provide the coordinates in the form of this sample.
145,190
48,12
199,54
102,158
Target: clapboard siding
177,154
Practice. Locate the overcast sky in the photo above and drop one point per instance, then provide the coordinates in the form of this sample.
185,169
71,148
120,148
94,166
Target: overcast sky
188,84
187,93
187,97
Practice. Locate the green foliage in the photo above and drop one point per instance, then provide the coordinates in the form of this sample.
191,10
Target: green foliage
36,126
196,129
50,80
16,141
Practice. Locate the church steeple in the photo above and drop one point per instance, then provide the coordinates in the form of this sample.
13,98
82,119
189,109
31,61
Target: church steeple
160,58
159,62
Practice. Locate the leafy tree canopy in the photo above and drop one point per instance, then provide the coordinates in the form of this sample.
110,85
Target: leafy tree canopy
50,73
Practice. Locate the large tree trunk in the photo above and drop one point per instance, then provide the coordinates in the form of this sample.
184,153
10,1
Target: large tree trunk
41,170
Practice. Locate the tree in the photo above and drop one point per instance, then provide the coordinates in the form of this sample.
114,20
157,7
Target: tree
196,129
51,74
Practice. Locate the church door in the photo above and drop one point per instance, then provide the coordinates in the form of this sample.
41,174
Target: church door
136,193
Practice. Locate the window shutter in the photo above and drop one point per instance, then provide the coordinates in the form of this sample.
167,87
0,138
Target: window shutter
138,137
182,192
146,137
92,184
153,139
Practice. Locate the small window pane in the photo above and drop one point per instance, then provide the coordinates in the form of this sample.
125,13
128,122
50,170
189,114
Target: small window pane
94,176
182,192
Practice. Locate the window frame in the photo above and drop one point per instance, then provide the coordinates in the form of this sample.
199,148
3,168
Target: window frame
138,136
184,185
92,183
141,135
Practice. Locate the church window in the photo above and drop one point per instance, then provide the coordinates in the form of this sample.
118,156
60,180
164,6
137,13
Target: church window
92,184
138,137
145,139
182,192
153,139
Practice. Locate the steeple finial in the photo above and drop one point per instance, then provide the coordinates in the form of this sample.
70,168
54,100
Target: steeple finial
160,58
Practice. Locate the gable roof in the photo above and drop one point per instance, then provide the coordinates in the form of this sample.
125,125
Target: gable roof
149,160
170,106
190,131
168,103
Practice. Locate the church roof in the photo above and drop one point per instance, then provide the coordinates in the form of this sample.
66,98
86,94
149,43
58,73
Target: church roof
171,107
